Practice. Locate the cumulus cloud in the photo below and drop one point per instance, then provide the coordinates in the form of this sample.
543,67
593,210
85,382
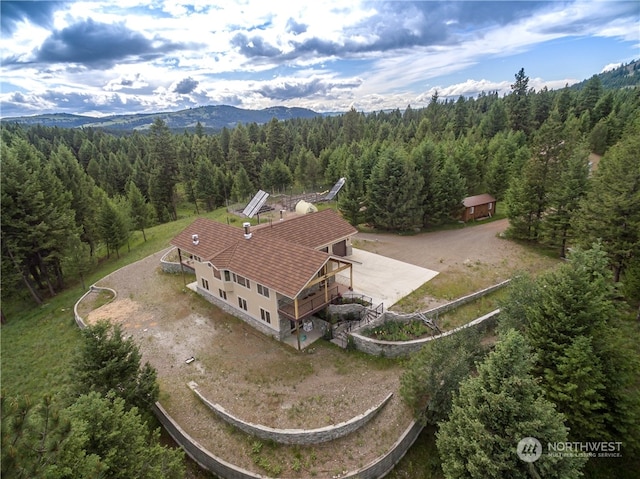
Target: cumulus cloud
254,46
99,45
287,90
295,27
129,82
39,13
185,86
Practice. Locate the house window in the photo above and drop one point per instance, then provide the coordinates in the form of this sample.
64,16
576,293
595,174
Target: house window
223,294
263,290
265,316
216,274
241,280
242,303
227,275
205,283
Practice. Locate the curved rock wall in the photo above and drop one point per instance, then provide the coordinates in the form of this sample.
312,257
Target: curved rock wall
295,436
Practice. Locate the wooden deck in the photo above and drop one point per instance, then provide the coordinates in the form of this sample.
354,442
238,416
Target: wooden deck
312,302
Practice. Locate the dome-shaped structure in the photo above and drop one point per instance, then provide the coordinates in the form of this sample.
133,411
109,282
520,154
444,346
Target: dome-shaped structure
302,207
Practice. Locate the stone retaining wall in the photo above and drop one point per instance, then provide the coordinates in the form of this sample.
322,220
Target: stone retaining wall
92,289
396,349
376,469
171,266
345,309
199,454
294,436
431,313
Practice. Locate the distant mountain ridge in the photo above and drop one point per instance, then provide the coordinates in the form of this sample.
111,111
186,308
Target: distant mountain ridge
215,117
212,118
625,76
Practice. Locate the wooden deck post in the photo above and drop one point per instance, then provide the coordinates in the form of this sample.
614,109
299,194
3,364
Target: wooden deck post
184,281
298,333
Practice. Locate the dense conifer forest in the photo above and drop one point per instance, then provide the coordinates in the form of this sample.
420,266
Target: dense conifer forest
66,191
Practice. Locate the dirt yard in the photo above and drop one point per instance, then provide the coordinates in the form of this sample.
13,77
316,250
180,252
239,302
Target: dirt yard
467,259
263,381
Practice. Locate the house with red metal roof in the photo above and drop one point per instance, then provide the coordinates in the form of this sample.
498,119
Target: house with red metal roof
274,276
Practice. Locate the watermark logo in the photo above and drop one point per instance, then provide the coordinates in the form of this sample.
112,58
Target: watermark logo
529,449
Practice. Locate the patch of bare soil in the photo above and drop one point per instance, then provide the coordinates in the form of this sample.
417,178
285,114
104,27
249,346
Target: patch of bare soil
254,377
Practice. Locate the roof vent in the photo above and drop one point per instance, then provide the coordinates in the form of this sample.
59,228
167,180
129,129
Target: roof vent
195,239
247,230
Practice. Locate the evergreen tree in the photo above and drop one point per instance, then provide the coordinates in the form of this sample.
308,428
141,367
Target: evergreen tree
495,410
205,187
164,173
240,154
78,259
610,211
496,120
275,140
281,177
433,375
569,315
589,96
112,226
140,213
564,199
520,103
84,198
121,440
449,191
461,118
352,126
351,198
242,187
427,159
542,106
39,441
37,220
187,167
528,195
393,199
109,363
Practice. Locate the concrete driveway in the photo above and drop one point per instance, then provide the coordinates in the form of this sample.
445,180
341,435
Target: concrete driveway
384,279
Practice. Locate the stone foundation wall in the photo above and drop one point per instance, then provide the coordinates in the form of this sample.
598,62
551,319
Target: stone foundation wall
227,308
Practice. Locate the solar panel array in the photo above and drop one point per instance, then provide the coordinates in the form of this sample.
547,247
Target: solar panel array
255,204
334,191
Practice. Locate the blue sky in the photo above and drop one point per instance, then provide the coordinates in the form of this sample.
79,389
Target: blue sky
128,56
